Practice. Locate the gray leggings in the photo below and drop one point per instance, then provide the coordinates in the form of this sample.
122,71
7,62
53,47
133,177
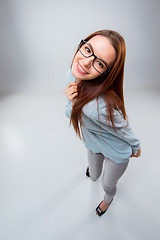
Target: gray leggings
112,172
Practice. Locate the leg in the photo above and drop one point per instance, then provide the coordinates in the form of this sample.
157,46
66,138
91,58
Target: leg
112,172
95,162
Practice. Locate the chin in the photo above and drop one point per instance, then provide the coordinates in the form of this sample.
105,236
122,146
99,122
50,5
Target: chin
74,72
79,76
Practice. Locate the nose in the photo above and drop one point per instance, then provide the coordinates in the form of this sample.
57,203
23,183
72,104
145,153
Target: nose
88,61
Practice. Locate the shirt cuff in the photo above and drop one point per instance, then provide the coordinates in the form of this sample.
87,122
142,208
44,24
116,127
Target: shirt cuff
135,149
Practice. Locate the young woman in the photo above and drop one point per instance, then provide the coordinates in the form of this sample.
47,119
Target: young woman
96,109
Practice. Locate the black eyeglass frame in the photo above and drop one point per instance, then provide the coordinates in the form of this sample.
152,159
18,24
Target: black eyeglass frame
95,57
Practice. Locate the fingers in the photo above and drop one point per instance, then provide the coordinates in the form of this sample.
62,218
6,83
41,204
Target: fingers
74,95
133,155
72,84
138,154
71,90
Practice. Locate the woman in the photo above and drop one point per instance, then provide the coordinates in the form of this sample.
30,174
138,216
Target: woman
97,111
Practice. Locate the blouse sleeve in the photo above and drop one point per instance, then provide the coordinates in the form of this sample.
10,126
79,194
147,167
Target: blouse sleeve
68,108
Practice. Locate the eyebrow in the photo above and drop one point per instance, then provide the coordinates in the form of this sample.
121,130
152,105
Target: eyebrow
95,55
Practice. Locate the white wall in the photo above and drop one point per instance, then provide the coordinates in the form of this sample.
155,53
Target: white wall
39,38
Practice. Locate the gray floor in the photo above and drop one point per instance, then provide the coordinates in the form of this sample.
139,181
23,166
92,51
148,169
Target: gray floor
44,191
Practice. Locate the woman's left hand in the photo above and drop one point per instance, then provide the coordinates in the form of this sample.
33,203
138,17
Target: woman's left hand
137,154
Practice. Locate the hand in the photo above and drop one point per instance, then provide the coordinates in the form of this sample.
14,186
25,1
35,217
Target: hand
137,154
71,90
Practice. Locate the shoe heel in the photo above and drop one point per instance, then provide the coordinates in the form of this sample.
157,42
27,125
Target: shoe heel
87,172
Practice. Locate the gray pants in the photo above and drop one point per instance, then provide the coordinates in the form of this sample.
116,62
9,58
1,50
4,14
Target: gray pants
112,172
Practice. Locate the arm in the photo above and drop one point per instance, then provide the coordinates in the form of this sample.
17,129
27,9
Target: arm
71,93
127,135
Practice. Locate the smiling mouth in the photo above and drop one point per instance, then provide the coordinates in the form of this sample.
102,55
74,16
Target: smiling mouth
80,69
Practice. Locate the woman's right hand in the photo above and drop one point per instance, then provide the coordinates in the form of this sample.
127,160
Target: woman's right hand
71,91
138,154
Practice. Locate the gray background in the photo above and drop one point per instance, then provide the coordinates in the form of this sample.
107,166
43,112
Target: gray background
44,193
39,39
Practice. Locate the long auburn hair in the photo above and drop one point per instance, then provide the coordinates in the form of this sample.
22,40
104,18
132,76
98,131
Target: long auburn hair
109,85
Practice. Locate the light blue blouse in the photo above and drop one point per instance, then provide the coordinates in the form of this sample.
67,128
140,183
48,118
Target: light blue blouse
99,137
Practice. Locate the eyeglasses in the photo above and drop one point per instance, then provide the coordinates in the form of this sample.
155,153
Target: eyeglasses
87,51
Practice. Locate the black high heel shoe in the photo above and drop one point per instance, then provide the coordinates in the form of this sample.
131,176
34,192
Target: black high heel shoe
99,211
87,172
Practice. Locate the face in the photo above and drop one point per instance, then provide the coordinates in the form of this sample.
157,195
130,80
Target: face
82,67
